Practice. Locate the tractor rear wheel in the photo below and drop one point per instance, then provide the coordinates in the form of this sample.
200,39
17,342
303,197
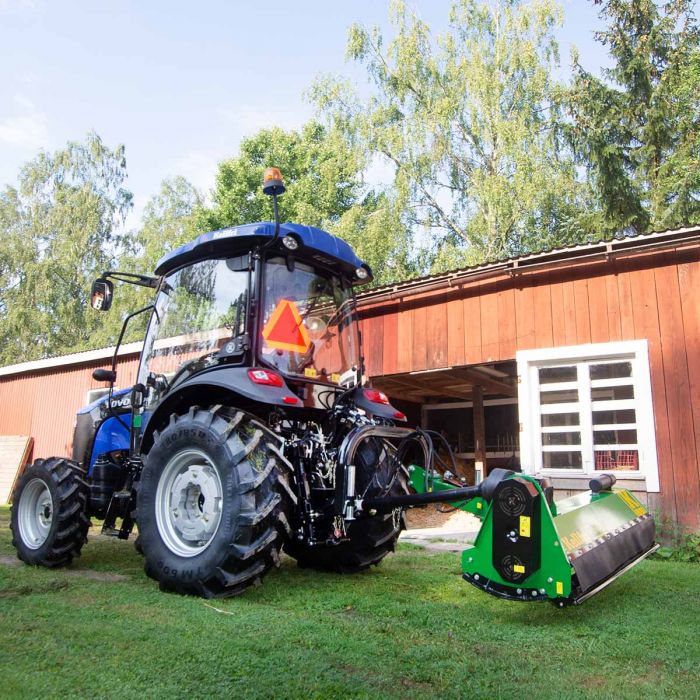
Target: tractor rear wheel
49,519
210,511
371,538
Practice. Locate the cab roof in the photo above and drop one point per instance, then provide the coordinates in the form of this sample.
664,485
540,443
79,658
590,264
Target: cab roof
315,245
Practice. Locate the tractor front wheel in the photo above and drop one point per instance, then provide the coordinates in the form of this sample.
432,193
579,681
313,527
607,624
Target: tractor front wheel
49,519
209,507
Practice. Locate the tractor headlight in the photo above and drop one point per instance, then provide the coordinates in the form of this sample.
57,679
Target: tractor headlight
290,242
361,273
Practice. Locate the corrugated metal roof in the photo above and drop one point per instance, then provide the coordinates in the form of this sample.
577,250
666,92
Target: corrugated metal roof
72,359
666,238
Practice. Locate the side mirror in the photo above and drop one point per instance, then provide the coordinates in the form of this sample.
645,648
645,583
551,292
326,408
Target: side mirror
104,375
101,294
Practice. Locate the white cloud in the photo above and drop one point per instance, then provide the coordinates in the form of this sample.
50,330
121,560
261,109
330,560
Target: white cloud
27,128
21,8
199,167
248,119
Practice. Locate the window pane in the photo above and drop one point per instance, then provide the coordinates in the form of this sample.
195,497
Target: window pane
614,437
611,370
612,393
561,460
569,438
551,375
558,420
607,460
561,396
608,417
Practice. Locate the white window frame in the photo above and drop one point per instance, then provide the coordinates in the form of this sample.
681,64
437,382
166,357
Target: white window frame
530,361
94,394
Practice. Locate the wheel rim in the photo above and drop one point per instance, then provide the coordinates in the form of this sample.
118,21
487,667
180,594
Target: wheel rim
35,514
189,500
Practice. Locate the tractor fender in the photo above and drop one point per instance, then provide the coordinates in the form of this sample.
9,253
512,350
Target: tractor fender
227,385
381,410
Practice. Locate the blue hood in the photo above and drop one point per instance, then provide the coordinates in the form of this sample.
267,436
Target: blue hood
103,400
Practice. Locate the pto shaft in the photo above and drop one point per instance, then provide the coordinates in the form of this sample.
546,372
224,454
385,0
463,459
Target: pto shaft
387,503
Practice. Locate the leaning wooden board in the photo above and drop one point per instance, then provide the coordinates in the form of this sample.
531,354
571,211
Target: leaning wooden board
14,454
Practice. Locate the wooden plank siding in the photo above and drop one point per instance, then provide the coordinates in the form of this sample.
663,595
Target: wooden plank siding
43,404
652,296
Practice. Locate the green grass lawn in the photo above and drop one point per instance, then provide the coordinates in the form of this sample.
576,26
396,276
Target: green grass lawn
409,628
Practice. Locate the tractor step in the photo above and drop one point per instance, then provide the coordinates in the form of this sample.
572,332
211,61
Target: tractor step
110,531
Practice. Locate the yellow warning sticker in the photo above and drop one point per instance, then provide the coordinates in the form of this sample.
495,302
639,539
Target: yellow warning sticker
310,372
524,526
560,588
634,505
335,378
479,505
518,568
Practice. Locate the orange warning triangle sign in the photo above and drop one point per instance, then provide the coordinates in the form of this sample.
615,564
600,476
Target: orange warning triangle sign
285,330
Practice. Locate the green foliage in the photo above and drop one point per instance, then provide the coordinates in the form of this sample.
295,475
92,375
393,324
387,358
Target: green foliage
637,130
169,221
375,230
678,544
323,173
468,122
59,231
484,148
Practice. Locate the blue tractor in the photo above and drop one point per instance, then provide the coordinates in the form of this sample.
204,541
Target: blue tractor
248,431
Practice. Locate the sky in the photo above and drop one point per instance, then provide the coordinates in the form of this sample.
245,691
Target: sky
180,83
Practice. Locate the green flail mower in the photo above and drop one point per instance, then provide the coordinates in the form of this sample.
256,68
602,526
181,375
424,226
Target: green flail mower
530,548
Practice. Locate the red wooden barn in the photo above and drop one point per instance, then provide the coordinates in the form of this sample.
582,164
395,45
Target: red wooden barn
562,363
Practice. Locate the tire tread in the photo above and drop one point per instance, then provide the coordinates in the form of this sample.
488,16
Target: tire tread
71,520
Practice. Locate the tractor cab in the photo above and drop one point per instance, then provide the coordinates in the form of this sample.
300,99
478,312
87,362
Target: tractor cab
263,311
286,309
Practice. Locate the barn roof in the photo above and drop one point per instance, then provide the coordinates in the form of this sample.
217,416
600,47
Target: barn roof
607,248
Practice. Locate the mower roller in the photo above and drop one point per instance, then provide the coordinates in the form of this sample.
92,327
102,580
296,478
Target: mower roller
251,430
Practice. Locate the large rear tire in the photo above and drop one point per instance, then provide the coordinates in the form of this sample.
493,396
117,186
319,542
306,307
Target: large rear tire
49,519
210,511
369,539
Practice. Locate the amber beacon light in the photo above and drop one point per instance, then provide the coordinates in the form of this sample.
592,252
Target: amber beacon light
272,182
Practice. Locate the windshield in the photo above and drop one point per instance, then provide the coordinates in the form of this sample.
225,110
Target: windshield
198,310
309,325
